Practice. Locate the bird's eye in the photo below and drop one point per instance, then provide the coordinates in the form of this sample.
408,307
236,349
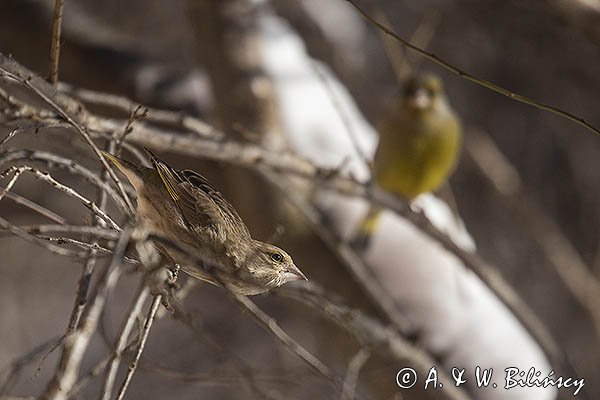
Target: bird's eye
277,257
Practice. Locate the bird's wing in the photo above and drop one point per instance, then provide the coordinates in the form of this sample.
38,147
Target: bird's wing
201,205
229,214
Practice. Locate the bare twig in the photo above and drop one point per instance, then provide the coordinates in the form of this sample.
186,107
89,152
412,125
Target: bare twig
76,343
361,273
563,256
141,345
271,326
17,198
35,87
352,372
481,82
121,344
100,367
369,332
4,224
252,156
213,378
10,183
10,135
55,46
168,118
91,247
343,115
244,369
54,160
103,233
47,178
15,367
260,316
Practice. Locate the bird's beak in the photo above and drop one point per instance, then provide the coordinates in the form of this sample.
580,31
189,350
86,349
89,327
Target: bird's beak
293,274
420,100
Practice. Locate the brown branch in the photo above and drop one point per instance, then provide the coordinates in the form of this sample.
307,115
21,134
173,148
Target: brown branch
15,366
102,233
39,88
322,77
211,378
121,344
173,119
369,332
77,342
481,82
47,178
55,45
17,198
353,263
262,318
253,156
244,369
269,324
17,231
352,372
566,260
141,345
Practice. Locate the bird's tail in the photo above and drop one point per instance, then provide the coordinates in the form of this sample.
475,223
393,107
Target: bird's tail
361,238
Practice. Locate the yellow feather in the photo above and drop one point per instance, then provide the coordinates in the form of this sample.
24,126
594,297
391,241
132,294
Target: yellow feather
167,184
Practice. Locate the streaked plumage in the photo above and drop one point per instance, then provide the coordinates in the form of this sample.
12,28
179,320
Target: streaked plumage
183,207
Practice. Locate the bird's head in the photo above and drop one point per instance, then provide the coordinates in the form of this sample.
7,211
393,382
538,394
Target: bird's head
421,93
272,266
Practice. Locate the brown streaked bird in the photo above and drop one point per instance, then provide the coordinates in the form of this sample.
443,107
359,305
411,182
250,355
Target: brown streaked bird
183,207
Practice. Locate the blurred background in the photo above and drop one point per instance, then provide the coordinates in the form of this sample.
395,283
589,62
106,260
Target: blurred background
162,54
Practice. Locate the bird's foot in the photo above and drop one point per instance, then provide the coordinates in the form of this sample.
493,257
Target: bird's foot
162,282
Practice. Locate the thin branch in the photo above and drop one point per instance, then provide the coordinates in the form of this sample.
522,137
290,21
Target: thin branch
212,378
343,115
81,244
35,127
10,135
353,263
243,368
141,345
91,247
55,160
77,342
89,265
55,46
566,260
15,367
352,372
102,233
17,231
162,117
133,313
28,82
251,156
369,332
481,82
16,173
47,178
17,198
269,324
263,319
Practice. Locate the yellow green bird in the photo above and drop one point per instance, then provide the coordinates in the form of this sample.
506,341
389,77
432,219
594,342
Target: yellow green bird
419,145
